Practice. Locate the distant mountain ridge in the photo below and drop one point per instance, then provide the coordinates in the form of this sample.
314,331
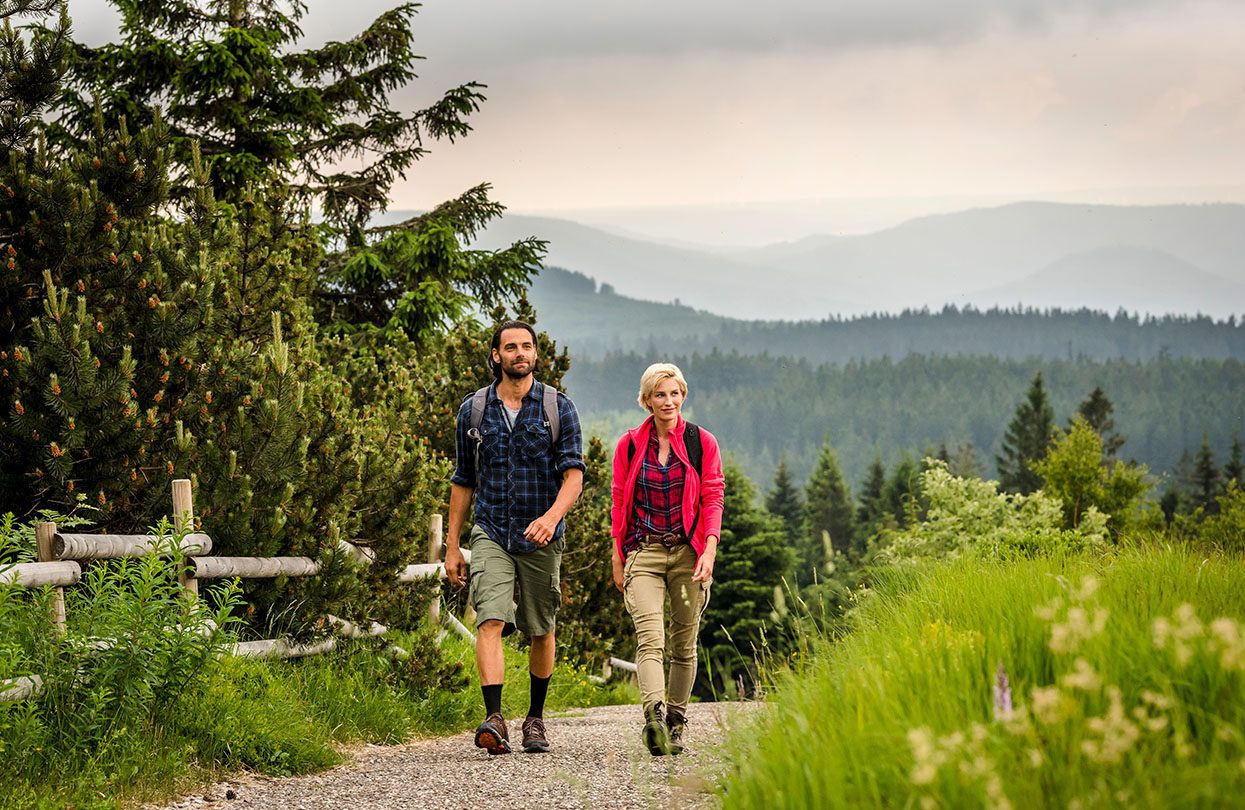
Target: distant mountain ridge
980,257
593,320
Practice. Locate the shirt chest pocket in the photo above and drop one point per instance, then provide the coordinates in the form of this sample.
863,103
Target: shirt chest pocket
533,440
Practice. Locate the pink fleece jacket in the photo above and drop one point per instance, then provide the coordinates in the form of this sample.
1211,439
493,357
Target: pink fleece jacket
702,494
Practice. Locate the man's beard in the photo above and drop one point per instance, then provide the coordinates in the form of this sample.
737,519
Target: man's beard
511,374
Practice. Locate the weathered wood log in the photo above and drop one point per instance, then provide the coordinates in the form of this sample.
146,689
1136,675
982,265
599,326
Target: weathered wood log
280,648
618,663
254,567
15,689
359,555
37,574
184,521
457,626
434,557
45,537
112,546
349,629
413,573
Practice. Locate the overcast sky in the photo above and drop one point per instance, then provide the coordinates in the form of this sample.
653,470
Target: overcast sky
718,102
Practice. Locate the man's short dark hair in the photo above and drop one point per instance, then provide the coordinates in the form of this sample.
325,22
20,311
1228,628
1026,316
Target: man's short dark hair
497,342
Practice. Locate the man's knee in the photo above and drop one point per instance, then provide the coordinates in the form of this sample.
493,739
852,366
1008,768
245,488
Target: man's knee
491,628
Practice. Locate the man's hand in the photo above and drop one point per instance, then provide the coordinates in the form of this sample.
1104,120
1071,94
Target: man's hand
540,531
455,566
617,563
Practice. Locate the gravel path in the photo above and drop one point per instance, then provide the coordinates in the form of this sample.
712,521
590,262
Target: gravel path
597,761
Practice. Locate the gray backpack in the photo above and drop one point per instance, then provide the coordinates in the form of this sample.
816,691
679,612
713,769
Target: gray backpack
553,420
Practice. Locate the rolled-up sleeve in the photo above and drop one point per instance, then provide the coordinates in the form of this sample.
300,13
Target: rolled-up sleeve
464,449
570,449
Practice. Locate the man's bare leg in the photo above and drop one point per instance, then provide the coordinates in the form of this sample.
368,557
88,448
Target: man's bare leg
491,734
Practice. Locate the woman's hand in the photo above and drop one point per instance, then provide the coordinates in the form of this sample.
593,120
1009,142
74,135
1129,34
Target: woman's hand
617,563
704,564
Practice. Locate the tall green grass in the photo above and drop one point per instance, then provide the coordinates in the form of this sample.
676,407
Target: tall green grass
1126,676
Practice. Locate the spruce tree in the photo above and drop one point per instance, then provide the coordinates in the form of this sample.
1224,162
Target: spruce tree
784,501
1026,441
745,615
871,513
828,512
145,338
230,78
1234,469
901,493
1096,411
1204,483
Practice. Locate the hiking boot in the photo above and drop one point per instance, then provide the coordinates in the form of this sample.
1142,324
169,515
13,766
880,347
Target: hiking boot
534,740
675,723
492,736
656,737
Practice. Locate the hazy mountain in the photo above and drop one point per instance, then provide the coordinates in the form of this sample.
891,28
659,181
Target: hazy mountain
654,272
932,261
1112,278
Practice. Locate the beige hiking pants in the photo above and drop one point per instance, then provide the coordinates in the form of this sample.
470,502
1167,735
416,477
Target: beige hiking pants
652,574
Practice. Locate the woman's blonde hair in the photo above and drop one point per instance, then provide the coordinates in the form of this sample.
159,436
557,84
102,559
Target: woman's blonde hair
653,377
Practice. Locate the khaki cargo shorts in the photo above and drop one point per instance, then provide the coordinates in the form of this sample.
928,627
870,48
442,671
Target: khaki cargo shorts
494,574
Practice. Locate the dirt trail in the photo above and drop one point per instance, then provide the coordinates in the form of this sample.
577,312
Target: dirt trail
597,762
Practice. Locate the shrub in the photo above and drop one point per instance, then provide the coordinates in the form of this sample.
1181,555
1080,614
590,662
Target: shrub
968,515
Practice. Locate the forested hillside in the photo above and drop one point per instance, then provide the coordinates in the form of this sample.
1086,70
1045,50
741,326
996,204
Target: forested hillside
766,408
593,319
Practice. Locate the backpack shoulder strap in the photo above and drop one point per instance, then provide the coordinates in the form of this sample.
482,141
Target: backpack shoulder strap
691,440
478,400
552,417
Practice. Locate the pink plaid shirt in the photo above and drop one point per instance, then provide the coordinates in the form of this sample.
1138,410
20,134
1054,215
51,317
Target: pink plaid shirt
658,496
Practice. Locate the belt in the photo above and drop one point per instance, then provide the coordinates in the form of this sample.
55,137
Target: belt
669,539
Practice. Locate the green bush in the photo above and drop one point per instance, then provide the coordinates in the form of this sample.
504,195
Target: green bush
970,516
1224,530
132,648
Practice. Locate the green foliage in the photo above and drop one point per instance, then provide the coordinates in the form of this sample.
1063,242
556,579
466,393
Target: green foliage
592,623
1224,529
828,512
784,501
746,618
250,714
968,516
134,648
1096,411
1124,683
1026,441
1076,472
234,88
1234,469
1204,480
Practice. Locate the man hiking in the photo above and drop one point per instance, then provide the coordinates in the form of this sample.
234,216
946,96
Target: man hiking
520,454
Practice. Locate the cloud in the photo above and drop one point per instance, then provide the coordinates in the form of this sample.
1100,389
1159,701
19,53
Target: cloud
506,30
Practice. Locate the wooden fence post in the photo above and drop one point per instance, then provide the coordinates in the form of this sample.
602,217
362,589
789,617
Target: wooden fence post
184,521
435,541
44,533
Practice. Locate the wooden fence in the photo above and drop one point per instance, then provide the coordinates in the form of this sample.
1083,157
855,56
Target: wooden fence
59,566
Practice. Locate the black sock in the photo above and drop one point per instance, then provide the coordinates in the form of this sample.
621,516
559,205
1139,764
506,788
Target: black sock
492,698
540,688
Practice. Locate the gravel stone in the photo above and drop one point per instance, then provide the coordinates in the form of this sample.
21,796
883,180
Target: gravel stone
596,761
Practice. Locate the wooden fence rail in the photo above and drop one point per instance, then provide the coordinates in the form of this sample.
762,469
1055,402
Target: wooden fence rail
59,566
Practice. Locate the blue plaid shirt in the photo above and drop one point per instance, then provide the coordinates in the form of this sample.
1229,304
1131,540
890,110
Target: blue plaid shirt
520,469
